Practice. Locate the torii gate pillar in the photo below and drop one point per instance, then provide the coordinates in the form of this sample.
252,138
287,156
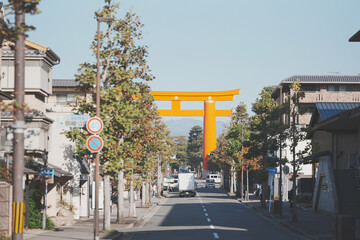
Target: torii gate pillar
209,113
209,131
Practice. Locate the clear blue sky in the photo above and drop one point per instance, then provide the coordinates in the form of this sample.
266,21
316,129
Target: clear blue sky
208,45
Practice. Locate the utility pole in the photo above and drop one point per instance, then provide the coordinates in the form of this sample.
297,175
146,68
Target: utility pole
45,156
19,126
158,194
97,157
242,162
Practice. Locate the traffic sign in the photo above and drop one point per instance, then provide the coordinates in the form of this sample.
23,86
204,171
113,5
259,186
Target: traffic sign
49,172
286,169
94,143
272,170
94,125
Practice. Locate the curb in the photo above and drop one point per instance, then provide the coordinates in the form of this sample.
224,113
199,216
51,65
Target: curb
142,216
284,224
288,226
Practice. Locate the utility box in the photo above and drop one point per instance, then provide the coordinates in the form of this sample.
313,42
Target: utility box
344,227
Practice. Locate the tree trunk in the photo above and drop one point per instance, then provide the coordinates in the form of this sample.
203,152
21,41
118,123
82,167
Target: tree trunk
147,191
131,199
158,194
222,178
120,202
150,191
242,180
235,181
143,194
247,184
107,199
231,180
263,195
294,211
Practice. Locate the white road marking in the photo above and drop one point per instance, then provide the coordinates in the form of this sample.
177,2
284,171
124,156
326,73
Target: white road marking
216,235
206,214
204,209
212,226
203,206
208,219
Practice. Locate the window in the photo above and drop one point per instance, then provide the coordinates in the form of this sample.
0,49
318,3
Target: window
308,88
333,88
65,99
342,88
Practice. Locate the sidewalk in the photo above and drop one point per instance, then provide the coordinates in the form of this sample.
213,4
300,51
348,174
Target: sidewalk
310,224
83,228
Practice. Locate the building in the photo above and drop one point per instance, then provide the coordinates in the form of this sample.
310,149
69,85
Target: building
321,88
60,107
335,127
69,186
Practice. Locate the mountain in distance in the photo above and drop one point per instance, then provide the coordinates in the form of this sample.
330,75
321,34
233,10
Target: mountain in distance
181,127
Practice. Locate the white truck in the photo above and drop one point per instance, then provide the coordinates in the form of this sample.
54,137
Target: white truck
187,184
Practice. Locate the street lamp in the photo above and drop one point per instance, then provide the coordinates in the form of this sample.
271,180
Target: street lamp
8,148
45,158
355,37
97,158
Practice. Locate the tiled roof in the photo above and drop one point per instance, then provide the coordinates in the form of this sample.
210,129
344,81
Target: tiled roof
323,79
65,83
329,109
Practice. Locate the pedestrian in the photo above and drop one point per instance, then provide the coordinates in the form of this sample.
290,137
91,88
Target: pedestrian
291,197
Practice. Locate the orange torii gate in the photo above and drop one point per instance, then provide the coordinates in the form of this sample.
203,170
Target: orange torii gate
209,112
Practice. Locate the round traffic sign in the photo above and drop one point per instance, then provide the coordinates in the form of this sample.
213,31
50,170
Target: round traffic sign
94,143
94,125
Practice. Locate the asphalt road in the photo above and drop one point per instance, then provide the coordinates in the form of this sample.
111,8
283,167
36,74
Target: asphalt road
209,215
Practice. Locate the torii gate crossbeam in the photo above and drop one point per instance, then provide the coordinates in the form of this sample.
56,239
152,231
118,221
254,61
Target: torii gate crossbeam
209,113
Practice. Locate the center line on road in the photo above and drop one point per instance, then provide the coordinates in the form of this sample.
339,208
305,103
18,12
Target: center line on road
204,209
203,206
216,235
212,226
208,219
206,214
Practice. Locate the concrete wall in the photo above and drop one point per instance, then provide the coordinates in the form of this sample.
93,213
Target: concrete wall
38,75
347,145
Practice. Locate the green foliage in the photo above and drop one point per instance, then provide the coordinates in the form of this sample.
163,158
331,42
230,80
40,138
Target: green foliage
180,150
35,208
133,132
264,130
10,31
5,174
194,149
4,237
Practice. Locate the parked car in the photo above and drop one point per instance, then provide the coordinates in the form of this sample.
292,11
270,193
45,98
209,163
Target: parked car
210,183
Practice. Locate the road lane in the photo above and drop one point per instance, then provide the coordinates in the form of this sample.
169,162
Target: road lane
209,215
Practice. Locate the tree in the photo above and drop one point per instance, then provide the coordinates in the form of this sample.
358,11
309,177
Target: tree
9,30
125,95
297,134
220,159
180,150
235,137
249,164
194,150
262,141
